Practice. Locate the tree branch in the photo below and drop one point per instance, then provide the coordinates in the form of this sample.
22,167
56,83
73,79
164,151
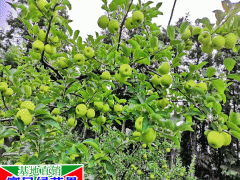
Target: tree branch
172,12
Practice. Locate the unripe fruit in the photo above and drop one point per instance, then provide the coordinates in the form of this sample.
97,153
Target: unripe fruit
101,119
162,103
138,124
152,176
103,22
79,59
38,46
3,86
113,26
168,149
164,68
81,110
42,35
125,70
204,38
71,122
58,119
139,172
117,108
156,80
55,111
90,113
208,49
218,42
138,17
149,136
49,49
215,139
196,30
25,116
105,108
106,75
190,84
88,52
62,62
186,35
166,80
129,23
144,145
8,92
28,105
98,105
227,138
230,41
202,85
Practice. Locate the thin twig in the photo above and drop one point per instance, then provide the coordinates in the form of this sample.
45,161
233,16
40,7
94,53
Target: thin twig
172,12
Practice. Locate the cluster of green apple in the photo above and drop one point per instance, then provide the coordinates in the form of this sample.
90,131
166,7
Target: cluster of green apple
209,41
4,88
44,89
125,71
113,25
165,80
148,136
24,114
216,139
191,84
56,112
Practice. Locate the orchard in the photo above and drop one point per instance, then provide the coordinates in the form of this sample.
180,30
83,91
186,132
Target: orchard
117,108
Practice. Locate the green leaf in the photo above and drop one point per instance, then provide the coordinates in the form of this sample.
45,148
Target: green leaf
27,23
229,63
183,27
83,148
153,41
226,5
234,76
110,168
219,85
69,29
159,5
199,66
33,161
144,61
126,50
52,123
134,44
76,33
234,118
173,138
151,98
211,71
91,143
171,32
27,90
113,6
147,4
175,41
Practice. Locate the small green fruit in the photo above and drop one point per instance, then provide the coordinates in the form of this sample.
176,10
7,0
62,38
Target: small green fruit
162,103
139,172
196,30
156,80
218,42
25,116
145,156
129,23
125,70
98,105
81,110
204,38
105,108
190,84
227,138
144,145
230,41
113,26
186,35
58,119
71,122
28,105
111,103
149,136
1,141
101,119
202,85
152,176
55,111
3,86
168,149
208,49
117,108
79,59
38,46
103,22
8,92
88,52
90,113
120,78
164,68
62,62
215,139
106,75
138,124
137,17
166,80
41,35
50,49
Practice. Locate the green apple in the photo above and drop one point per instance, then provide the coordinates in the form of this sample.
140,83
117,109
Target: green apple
215,139
44,89
227,138
55,111
188,45
3,86
28,105
50,49
230,41
42,3
218,42
164,68
88,52
72,122
190,28
58,119
186,35
81,110
103,22
125,70
156,80
111,103
41,35
113,26
98,105
38,46
117,108
149,135
105,108
190,84
210,99
62,62
120,77
106,75
137,136
196,31
25,116
55,39
208,49
90,113
166,80
129,23
1,141
162,103
202,85
79,59
8,92
101,119
137,17
138,124
204,38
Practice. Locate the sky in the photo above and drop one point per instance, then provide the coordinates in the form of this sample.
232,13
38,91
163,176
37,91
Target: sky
86,13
